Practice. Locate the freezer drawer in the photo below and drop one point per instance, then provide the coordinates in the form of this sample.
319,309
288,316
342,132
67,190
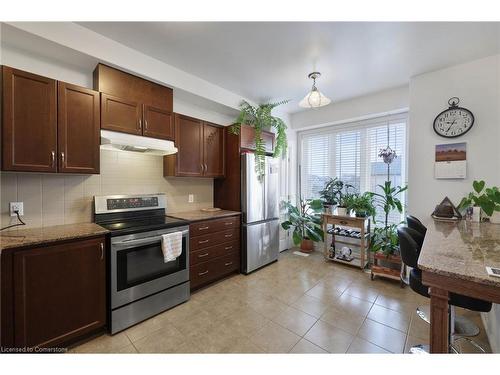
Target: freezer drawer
260,245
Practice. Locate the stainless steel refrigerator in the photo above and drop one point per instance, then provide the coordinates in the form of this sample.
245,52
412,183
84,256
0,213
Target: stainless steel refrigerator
260,213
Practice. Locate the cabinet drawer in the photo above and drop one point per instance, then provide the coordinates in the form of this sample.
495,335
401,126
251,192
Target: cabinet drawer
211,226
210,253
213,239
228,263
206,272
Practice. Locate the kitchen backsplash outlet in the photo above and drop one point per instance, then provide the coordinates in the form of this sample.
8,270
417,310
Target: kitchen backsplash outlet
53,199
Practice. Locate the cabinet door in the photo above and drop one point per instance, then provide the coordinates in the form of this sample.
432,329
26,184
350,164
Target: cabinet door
78,129
247,137
189,141
158,123
29,130
59,292
213,150
121,115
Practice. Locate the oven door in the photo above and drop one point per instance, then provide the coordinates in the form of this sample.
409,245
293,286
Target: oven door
138,269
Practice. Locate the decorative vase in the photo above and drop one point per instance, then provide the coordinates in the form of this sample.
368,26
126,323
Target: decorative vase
476,214
342,211
495,217
306,246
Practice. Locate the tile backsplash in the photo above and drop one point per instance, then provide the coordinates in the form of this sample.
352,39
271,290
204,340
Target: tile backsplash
53,199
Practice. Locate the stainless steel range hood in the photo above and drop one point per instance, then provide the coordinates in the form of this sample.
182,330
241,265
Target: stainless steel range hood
134,143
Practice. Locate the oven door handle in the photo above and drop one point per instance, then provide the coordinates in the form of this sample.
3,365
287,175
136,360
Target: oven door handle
140,241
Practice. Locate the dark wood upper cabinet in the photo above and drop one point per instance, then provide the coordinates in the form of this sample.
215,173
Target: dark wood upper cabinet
247,139
201,149
29,129
121,115
59,292
213,150
188,162
134,105
78,129
158,123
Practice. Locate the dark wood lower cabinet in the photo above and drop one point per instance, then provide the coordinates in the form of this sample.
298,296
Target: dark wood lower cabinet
214,250
59,292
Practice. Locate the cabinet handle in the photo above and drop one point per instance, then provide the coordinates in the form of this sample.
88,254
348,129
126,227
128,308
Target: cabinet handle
202,273
102,251
228,264
63,162
140,124
229,223
206,167
228,247
204,241
53,158
146,124
228,235
203,228
202,255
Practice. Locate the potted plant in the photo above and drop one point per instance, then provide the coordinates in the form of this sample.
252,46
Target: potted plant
482,198
260,118
384,241
362,205
306,223
336,192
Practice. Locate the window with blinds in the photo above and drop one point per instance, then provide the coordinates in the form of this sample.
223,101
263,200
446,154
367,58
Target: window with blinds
350,152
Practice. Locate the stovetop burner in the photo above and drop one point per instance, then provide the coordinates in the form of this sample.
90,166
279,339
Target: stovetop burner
126,214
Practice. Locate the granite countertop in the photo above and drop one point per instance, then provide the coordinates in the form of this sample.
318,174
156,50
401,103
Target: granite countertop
36,236
461,250
199,215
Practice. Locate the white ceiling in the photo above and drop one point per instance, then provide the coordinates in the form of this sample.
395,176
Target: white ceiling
263,61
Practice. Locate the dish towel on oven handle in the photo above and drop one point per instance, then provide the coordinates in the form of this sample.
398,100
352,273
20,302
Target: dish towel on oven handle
171,246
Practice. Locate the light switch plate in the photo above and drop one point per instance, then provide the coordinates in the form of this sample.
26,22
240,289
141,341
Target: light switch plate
190,198
16,206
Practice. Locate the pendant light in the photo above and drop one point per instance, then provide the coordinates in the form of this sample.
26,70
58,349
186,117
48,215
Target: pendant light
314,99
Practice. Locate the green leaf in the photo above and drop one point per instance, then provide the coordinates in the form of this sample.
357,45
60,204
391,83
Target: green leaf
286,225
478,186
296,236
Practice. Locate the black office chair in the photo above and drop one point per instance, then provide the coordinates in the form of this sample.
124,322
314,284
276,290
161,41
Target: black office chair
416,224
409,254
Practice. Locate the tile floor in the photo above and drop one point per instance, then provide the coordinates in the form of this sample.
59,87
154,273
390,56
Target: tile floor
297,305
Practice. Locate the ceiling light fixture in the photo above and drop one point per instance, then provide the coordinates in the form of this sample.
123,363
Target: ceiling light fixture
314,99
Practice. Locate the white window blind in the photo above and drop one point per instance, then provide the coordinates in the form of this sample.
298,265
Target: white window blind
350,152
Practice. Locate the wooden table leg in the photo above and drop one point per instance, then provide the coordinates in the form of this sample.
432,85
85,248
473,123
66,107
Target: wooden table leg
439,320
325,237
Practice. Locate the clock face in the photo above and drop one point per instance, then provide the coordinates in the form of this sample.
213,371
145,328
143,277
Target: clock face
453,122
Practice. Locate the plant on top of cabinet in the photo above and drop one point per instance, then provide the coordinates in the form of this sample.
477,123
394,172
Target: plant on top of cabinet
335,193
260,118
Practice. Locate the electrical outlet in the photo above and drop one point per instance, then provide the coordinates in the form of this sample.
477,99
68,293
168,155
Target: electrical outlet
16,206
190,198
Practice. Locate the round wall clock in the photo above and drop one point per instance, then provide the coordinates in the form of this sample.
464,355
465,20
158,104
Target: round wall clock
454,121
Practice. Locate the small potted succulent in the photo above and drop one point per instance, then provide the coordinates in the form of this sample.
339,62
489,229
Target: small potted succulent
482,198
306,222
361,204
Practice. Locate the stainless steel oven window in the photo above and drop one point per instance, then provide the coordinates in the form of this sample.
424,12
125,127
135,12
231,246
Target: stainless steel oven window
138,269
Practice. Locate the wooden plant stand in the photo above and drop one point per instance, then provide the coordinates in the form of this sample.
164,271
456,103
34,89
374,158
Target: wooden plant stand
386,272
362,224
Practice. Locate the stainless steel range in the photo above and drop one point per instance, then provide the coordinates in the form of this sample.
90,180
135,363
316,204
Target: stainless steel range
141,283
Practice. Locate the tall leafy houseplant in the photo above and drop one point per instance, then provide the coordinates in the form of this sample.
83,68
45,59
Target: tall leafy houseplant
385,238
261,118
306,222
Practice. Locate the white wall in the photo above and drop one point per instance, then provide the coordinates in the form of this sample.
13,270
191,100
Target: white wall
377,104
477,85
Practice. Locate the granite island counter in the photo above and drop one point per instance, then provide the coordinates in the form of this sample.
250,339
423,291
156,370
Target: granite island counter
453,259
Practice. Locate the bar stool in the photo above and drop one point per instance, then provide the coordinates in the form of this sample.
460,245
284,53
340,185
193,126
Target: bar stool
409,254
463,326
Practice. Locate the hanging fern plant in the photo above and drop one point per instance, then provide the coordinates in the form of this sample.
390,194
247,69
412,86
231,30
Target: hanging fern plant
260,118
